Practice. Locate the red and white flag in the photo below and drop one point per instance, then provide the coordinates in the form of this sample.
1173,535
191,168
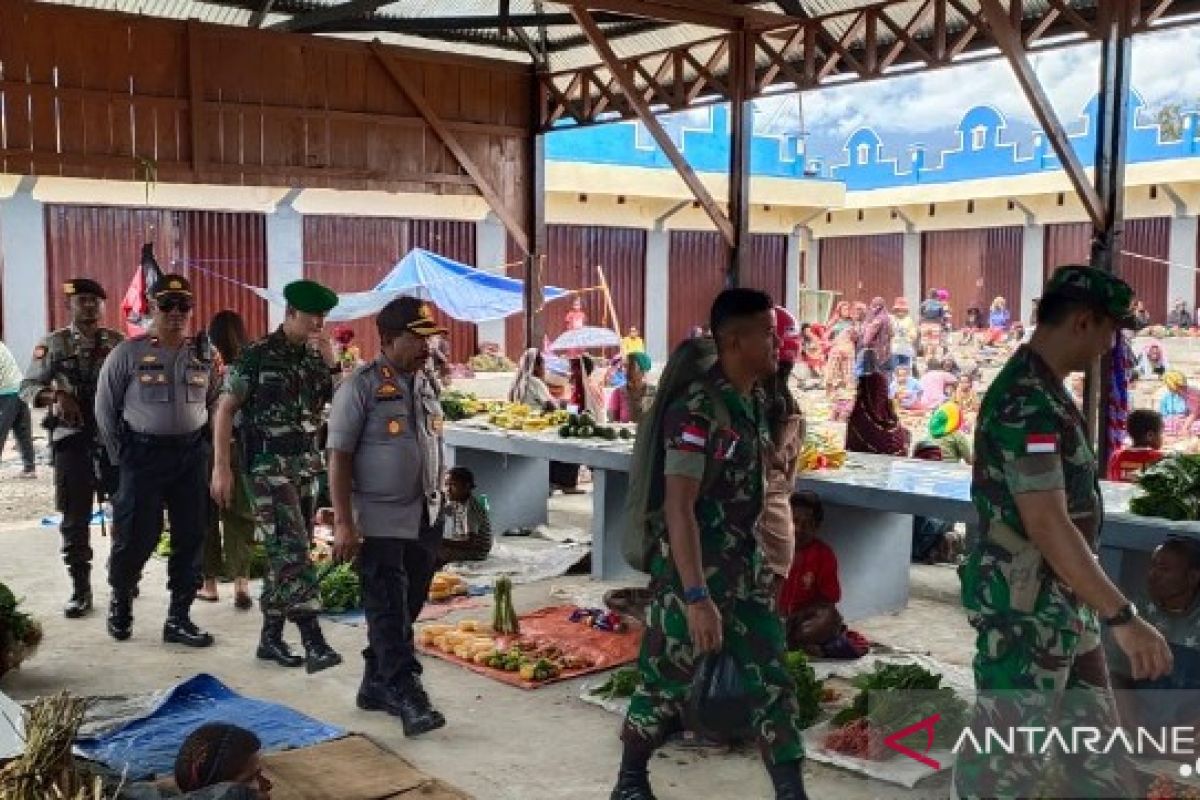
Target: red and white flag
1041,443
135,308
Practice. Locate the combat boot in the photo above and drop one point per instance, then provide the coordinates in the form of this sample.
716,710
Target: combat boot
272,647
81,592
179,628
120,615
405,699
788,778
632,785
318,654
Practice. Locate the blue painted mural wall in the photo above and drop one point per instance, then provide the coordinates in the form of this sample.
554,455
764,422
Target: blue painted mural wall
984,150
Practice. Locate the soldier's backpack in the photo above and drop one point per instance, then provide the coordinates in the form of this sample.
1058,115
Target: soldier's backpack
686,371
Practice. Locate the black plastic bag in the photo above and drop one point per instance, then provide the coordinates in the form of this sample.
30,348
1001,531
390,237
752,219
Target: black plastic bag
718,707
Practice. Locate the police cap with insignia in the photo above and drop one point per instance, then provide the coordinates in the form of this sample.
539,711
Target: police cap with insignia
84,286
411,315
310,297
1098,288
171,286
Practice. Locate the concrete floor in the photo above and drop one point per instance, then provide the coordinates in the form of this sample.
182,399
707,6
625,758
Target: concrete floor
501,743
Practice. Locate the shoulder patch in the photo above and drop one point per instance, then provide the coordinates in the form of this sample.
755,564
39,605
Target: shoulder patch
1041,443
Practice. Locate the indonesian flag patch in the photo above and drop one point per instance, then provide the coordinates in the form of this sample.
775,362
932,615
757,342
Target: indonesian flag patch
692,439
1041,444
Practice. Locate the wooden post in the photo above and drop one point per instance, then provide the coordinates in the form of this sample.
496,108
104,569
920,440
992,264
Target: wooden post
195,98
741,131
612,309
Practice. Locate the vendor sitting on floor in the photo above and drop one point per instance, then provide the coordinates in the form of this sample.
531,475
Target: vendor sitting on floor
217,761
468,532
809,596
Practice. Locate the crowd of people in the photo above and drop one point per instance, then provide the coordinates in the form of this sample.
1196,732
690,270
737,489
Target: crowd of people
238,441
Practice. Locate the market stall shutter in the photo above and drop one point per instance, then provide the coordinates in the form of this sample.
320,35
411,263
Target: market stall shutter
220,252
767,269
574,256
863,267
1071,243
975,265
696,275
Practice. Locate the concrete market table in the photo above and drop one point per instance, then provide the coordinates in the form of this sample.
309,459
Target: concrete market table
869,506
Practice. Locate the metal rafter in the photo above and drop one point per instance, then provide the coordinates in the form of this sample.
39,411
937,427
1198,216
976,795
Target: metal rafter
347,10
870,42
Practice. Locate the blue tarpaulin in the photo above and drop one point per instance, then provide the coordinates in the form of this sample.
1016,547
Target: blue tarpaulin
461,291
146,746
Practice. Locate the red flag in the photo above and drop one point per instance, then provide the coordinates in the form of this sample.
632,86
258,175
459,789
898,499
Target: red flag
134,308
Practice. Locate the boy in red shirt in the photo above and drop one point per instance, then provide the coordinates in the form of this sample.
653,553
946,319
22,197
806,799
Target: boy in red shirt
809,596
1146,430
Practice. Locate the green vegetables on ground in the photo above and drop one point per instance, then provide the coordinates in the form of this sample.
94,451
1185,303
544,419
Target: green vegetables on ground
19,632
341,589
584,426
895,696
622,683
504,615
808,689
1172,489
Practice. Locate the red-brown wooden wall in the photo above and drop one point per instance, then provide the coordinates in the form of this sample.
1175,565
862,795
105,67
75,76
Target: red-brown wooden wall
863,267
573,254
351,254
218,251
975,265
1070,243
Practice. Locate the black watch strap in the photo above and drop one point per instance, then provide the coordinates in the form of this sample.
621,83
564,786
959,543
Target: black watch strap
1125,614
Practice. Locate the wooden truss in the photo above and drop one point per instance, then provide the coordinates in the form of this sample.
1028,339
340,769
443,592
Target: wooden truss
860,44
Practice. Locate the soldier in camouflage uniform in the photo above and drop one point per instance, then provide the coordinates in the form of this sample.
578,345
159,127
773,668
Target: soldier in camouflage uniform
709,581
281,385
63,375
1032,588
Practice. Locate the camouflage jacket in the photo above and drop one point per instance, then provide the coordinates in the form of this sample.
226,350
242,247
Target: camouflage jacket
282,390
1032,437
66,360
729,510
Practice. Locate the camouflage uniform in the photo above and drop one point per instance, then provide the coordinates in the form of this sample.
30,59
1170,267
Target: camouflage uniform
69,361
735,574
1038,658
282,389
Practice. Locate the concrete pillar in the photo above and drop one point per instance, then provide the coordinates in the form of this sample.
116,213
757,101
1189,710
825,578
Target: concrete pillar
912,269
491,251
1181,280
812,259
1033,267
658,294
792,277
285,250
23,253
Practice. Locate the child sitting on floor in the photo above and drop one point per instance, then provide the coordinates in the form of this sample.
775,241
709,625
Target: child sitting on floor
468,531
1146,431
808,599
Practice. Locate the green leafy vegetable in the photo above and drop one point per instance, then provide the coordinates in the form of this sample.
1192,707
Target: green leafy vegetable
1172,489
808,688
622,683
895,696
341,589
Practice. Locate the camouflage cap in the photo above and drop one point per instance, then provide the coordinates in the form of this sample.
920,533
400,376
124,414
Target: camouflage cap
1108,292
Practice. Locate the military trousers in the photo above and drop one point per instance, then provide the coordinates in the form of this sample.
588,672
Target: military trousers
171,474
74,494
1040,669
283,513
396,575
754,635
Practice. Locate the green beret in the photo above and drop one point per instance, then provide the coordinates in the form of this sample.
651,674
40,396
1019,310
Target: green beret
310,297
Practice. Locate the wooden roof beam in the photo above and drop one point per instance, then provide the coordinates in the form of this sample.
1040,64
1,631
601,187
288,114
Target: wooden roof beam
347,10
708,13
646,116
1008,40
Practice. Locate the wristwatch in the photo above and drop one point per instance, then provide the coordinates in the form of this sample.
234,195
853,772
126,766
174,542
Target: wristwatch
696,594
1124,615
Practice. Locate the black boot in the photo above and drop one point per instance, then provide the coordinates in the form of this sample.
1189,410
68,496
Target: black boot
788,777
633,780
120,615
81,592
179,628
318,654
404,698
272,647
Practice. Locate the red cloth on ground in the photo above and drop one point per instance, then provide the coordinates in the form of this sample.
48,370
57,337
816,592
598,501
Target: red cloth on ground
1127,463
813,579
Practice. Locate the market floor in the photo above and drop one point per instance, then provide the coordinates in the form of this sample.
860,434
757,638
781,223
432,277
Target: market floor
501,743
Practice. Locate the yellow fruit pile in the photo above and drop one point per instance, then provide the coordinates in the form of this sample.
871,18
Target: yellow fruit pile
820,452
446,585
520,417
469,640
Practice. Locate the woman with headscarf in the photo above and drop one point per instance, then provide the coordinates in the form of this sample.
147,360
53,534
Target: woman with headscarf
839,320
945,429
785,419
1179,405
873,426
877,336
936,384
230,537
529,384
586,394
1152,363
629,402
839,368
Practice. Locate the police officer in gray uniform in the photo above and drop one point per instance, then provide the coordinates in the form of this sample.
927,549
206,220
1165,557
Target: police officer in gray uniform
385,476
152,405
62,376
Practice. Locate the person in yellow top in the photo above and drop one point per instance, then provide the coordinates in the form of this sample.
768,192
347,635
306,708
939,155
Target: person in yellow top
632,343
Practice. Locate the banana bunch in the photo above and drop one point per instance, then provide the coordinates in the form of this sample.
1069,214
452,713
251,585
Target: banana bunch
820,452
